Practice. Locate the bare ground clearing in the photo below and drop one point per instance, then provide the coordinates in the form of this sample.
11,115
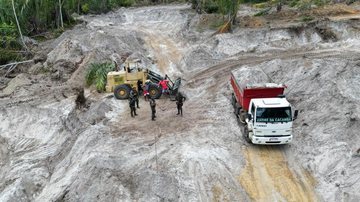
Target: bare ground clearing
53,150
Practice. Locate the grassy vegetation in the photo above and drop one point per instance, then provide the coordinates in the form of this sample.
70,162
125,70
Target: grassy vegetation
96,75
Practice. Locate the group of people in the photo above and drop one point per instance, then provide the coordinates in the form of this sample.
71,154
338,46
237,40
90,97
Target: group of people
134,103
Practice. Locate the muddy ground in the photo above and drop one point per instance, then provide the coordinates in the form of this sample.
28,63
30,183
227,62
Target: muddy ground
54,149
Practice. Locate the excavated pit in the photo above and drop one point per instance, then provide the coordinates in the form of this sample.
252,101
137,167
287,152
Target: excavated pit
56,146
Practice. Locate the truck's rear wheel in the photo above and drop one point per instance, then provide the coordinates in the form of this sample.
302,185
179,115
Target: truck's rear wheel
233,100
122,91
154,91
237,109
246,134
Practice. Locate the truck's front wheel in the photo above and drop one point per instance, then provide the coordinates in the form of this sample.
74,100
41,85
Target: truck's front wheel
242,116
246,134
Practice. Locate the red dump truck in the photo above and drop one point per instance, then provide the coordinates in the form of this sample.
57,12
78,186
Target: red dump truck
262,107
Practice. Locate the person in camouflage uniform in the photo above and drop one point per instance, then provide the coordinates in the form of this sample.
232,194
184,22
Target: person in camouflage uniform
132,102
180,99
153,110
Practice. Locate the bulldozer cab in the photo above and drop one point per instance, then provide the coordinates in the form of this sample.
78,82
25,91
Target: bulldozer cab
133,72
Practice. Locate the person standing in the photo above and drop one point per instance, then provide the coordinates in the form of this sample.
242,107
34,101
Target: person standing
132,106
153,110
180,99
134,94
139,86
146,90
164,85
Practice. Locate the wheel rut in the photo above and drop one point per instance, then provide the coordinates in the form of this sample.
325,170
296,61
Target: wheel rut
268,176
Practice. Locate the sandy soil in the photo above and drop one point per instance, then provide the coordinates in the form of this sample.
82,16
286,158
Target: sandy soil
52,149
267,176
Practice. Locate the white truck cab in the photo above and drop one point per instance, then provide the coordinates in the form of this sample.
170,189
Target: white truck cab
269,121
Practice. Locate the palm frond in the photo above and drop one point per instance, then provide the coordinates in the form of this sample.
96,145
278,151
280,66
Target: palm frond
97,74
91,74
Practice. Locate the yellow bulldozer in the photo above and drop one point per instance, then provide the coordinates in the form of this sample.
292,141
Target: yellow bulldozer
132,75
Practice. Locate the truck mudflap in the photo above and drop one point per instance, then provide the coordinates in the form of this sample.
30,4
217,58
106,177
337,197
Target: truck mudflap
271,140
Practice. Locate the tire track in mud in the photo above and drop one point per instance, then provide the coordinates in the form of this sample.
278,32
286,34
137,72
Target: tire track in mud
268,177
224,67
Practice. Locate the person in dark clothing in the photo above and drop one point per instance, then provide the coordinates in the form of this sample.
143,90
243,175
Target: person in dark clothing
153,110
134,94
180,99
132,106
139,85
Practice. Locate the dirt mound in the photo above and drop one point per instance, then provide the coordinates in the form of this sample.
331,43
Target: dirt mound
252,22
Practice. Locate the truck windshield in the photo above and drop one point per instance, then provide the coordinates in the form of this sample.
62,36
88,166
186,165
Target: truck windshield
282,114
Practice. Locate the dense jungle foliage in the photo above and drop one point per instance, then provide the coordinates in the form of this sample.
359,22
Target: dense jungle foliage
36,18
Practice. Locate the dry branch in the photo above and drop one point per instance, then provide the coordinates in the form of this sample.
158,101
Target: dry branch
11,66
14,63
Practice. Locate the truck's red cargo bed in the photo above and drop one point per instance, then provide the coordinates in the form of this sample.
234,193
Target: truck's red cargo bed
244,93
